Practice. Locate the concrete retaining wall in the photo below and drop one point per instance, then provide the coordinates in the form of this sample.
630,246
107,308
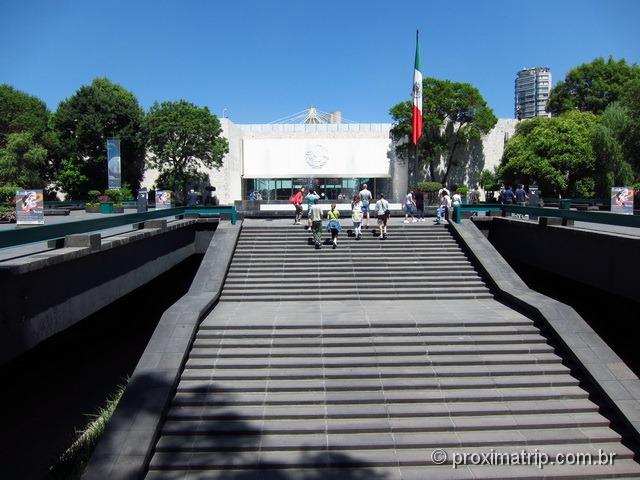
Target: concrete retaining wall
603,260
46,293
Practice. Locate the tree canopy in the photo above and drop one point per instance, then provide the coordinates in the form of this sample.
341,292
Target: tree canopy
182,139
21,112
555,152
84,122
591,87
27,144
453,114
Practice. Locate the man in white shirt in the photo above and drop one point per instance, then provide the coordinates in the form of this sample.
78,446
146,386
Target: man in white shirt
315,217
365,198
410,206
382,210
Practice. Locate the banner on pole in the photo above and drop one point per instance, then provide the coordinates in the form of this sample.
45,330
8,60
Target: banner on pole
113,163
622,200
163,199
29,207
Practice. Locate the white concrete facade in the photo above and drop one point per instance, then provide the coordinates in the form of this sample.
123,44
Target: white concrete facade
331,151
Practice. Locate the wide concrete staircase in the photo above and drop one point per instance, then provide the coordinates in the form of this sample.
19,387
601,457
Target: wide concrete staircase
316,388
416,261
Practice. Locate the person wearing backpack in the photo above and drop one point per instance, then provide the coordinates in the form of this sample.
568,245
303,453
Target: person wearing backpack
311,199
382,209
296,200
333,216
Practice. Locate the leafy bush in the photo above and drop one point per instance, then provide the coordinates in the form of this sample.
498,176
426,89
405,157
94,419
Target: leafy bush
93,195
429,186
8,195
104,198
7,214
120,194
462,190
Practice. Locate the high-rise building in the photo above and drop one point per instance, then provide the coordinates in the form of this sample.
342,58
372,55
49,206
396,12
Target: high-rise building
533,86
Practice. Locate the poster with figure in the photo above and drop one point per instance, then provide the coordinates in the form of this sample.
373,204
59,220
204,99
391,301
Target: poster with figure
622,200
113,163
29,207
163,199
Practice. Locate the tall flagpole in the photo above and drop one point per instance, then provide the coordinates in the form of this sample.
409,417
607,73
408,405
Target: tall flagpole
417,97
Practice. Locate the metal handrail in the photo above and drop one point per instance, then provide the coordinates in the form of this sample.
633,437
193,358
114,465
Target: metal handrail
606,218
22,235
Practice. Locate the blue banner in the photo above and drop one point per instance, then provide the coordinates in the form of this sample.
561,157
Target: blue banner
113,163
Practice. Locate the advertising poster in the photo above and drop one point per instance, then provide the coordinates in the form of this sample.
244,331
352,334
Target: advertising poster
163,199
113,163
622,200
29,207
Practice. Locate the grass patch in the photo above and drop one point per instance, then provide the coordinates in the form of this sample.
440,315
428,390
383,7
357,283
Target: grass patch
71,464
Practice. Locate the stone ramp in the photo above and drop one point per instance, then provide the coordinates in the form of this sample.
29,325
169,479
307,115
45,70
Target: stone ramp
368,390
276,263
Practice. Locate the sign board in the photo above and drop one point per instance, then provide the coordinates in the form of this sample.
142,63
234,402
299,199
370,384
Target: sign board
163,199
113,163
622,200
142,200
29,207
534,196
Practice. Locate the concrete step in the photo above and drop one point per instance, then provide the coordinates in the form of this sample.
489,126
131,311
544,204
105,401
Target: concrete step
263,284
384,425
300,278
397,361
363,297
348,326
373,372
372,385
351,342
399,440
324,352
354,464
379,398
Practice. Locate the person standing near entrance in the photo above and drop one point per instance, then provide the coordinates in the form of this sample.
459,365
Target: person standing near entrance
409,205
521,196
365,198
419,198
356,215
315,217
311,200
508,197
333,216
382,210
296,199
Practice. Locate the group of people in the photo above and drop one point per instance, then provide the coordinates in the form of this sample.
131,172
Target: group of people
509,197
360,214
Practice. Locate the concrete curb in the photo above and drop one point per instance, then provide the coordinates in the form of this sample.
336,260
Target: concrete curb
617,385
128,442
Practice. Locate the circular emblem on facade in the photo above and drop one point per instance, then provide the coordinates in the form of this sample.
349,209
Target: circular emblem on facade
316,156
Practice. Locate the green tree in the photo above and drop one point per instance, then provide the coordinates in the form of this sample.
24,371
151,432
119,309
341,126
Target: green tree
608,146
84,122
591,87
183,138
26,139
453,114
630,100
21,112
556,153
23,161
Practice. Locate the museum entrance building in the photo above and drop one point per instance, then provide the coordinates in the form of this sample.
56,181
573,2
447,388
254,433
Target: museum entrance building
270,162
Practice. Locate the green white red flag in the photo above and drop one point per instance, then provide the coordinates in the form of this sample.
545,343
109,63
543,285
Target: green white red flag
416,131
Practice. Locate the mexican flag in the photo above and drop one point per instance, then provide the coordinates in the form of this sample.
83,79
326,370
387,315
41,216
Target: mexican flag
416,131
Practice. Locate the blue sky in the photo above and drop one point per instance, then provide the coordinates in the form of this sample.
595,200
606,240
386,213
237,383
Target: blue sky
263,60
